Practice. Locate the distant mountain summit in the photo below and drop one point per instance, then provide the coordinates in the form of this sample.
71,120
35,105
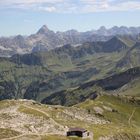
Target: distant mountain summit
123,30
43,30
46,39
115,44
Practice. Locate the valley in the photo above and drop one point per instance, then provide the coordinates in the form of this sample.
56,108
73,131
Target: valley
41,75
94,84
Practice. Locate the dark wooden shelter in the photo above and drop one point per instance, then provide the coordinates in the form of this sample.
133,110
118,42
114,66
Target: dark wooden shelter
80,132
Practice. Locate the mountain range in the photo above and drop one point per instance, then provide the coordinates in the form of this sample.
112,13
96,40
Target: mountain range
45,75
52,81
46,39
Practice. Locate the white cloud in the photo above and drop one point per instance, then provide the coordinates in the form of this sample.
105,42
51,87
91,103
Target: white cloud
48,9
37,5
93,1
73,6
109,5
29,1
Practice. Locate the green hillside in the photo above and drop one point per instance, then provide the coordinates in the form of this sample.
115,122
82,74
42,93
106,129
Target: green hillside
123,114
125,83
107,117
58,76
131,59
38,75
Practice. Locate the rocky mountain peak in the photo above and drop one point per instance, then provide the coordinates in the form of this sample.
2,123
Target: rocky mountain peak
114,44
19,38
115,39
72,31
43,30
102,28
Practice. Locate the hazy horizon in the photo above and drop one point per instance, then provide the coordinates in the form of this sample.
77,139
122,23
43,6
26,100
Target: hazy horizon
25,17
66,30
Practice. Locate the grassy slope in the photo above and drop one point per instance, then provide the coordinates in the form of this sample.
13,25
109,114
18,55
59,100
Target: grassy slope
60,69
126,83
118,110
128,41
119,118
7,133
56,69
132,89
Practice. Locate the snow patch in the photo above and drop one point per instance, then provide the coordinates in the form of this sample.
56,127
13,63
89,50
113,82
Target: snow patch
5,49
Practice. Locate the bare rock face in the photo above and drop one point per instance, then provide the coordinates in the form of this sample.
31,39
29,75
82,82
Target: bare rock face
82,115
98,110
107,108
50,39
30,121
32,118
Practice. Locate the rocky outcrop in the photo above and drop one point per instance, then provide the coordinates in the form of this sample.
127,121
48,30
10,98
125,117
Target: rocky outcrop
46,39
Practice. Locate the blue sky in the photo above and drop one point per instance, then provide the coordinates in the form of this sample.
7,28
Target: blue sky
27,16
